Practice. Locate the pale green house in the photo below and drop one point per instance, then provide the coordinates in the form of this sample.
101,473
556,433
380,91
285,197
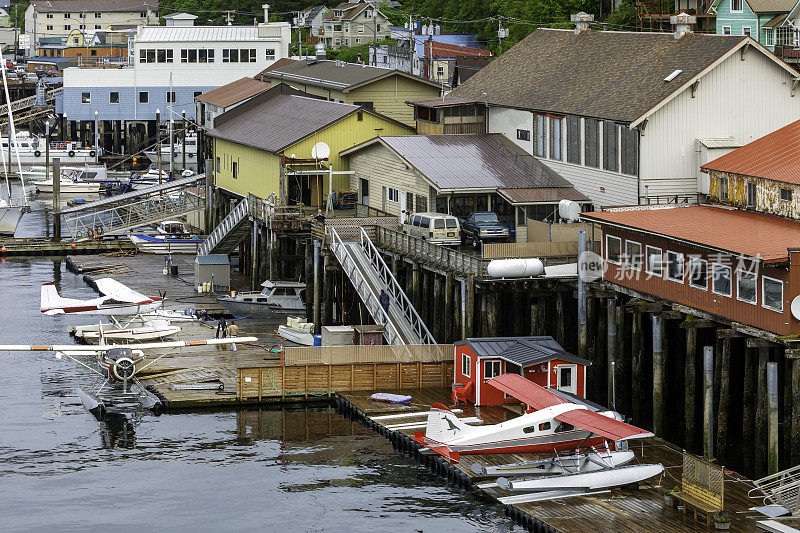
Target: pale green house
761,19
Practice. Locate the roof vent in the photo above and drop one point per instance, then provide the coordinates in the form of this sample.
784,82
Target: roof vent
672,76
582,21
265,7
683,24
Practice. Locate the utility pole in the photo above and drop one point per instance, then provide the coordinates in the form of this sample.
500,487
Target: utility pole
229,18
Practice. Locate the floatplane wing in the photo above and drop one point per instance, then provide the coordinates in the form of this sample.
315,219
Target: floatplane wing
539,398
117,300
120,292
78,348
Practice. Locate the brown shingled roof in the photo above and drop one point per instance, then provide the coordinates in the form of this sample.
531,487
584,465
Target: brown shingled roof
603,74
775,156
234,92
736,231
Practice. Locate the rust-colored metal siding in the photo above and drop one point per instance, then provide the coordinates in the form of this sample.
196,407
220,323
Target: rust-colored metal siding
755,315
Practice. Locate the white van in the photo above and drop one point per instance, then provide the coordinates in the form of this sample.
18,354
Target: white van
437,228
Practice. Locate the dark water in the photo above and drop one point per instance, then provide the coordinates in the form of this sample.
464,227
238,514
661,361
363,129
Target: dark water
225,471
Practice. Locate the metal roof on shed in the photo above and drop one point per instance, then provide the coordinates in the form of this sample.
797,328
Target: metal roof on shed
197,33
524,351
212,259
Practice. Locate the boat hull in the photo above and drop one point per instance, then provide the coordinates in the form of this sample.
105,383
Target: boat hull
601,479
296,335
241,309
77,188
29,158
9,219
161,245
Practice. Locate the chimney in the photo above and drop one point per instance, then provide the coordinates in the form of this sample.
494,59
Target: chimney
266,12
582,21
683,24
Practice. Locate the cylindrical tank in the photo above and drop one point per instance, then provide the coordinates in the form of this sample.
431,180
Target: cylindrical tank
569,210
515,268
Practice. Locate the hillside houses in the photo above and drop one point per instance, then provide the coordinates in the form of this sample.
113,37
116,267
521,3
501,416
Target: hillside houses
621,115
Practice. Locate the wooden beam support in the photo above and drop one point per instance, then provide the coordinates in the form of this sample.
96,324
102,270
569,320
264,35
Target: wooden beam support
671,315
756,342
729,334
724,397
699,323
760,448
636,367
690,385
658,375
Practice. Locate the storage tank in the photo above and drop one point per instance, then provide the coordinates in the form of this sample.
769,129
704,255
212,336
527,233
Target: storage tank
569,210
515,268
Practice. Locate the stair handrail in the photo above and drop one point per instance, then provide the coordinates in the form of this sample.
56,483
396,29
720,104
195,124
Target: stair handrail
408,309
370,300
226,224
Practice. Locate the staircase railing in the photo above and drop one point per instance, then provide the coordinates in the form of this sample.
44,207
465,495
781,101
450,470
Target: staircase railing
236,215
395,291
363,289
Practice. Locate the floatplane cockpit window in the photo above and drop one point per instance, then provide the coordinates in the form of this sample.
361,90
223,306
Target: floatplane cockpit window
563,426
544,426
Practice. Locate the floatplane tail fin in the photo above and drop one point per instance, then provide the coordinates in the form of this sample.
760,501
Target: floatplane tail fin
52,303
443,425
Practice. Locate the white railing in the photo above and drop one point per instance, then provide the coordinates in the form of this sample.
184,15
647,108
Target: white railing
234,218
29,101
783,488
423,336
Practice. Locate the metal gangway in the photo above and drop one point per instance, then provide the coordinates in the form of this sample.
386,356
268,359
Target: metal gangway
229,232
782,488
31,101
367,271
123,212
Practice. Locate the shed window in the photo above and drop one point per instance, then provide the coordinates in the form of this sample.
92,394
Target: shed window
653,263
491,369
751,194
772,291
723,189
466,369
746,286
591,145
721,279
675,266
633,255
698,273
613,249
523,135
786,195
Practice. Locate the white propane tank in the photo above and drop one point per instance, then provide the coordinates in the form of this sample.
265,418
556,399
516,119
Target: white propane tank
199,288
569,210
515,268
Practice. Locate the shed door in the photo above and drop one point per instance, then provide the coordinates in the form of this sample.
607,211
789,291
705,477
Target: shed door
364,191
567,378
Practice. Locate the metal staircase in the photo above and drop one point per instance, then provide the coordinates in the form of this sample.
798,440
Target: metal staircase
228,233
364,266
123,212
782,488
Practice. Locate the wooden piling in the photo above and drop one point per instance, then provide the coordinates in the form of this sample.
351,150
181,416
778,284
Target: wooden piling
772,418
761,412
469,307
795,429
658,375
254,279
690,385
561,336
449,310
416,284
601,347
786,432
636,367
708,402
591,348
56,197
582,297
542,320
611,351
437,317
723,409
748,406
309,278
327,291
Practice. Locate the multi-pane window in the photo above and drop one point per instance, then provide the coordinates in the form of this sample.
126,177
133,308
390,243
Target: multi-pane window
721,279
491,369
466,368
610,146
393,194
786,195
653,261
746,286
723,189
556,139
675,266
235,55
698,273
573,139
523,135
736,6
160,55
539,129
772,293
633,255
171,97
271,54
613,249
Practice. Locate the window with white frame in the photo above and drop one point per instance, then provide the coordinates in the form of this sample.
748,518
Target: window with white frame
440,71
698,273
613,249
171,97
360,28
675,266
393,195
633,255
736,6
523,135
721,279
491,369
751,194
270,54
86,98
772,293
653,261
746,30
786,195
466,367
540,135
746,286
726,30
769,36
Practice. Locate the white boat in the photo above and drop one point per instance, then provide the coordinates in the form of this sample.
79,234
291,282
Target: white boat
149,330
558,464
10,216
172,316
89,172
172,237
68,184
275,299
586,481
151,176
32,151
178,149
298,331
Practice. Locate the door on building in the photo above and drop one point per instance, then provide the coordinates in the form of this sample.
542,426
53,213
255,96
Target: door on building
567,378
364,191
512,368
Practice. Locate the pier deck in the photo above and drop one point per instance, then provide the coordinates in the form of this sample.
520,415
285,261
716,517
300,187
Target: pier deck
642,510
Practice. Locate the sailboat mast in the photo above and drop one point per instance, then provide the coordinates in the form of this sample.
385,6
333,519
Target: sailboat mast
13,134
8,104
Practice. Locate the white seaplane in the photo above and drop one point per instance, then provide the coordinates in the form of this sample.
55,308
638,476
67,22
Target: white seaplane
119,365
117,300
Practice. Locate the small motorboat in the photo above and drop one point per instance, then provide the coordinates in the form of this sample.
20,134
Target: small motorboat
585,481
297,331
276,298
177,146
68,184
172,237
147,331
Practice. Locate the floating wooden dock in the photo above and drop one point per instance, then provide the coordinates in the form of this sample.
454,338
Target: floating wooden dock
46,246
643,510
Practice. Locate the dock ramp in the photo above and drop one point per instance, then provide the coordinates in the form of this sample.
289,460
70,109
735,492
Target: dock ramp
229,232
123,212
364,266
783,488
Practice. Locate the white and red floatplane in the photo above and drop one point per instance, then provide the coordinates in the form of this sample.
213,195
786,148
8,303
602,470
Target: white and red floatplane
117,300
552,424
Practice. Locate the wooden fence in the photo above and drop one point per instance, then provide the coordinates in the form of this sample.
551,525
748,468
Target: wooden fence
259,383
543,250
703,481
335,355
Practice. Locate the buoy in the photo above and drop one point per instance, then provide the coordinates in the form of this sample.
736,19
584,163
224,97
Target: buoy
3,249
73,245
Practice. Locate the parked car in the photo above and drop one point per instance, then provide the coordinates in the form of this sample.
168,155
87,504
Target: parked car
482,226
436,228
31,76
12,75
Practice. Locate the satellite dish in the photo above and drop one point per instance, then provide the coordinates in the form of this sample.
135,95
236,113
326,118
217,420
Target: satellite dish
320,151
795,307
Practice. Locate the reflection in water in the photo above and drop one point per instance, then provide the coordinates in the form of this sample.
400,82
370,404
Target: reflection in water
116,431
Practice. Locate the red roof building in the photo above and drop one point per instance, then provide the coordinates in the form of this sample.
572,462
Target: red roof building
441,60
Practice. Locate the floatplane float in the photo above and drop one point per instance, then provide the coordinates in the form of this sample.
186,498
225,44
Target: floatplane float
119,367
552,424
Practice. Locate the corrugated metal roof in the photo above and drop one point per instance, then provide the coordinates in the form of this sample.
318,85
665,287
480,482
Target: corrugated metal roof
604,74
537,195
212,259
524,351
736,231
65,6
720,142
197,33
774,21
330,74
473,161
775,156
771,6
279,122
234,92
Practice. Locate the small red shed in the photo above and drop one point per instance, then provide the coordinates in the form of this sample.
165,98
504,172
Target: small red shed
539,359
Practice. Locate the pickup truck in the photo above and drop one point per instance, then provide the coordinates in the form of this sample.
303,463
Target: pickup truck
482,226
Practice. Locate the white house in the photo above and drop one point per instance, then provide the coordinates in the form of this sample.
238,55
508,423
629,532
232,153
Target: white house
630,117
169,67
57,18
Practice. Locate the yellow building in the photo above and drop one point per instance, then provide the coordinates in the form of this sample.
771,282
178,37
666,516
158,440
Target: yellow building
266,147
379,89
